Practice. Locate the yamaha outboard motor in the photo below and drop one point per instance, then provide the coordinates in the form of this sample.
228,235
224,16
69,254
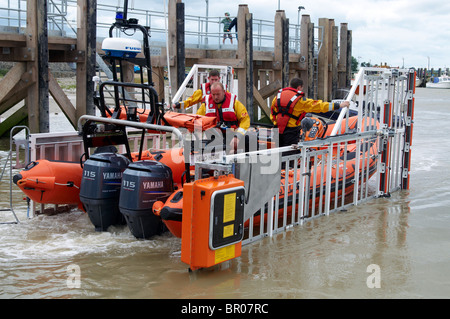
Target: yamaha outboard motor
100,187
144,183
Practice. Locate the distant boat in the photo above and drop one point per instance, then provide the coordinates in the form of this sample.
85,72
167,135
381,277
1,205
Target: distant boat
418,81
439,82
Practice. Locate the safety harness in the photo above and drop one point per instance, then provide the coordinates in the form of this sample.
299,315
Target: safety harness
225,114
287,98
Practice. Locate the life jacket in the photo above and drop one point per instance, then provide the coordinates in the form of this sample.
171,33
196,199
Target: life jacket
287,98
206,90
313,128
225,114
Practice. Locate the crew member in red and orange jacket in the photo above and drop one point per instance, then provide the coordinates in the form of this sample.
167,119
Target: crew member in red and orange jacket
230,113
199,95
289,108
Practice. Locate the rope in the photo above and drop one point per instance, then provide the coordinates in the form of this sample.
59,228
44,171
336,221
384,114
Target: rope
68,184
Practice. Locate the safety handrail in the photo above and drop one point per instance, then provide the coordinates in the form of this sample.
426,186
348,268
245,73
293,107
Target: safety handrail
9,158
349,97
141,125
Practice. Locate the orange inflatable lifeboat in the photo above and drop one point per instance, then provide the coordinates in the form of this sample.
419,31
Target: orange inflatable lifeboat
171,212
57,182
51,182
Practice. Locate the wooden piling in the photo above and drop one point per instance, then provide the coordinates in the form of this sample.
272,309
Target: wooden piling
281,48
323,75
37,41
245,58
333,75
345,58
306,53
181,70
86,42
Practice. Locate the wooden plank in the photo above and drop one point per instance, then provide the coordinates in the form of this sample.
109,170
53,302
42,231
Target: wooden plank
19,90
12,100
9,40
69,55
270,89
20,40
159,81
235,63
17,54
62,100
18,118
11,79
260,101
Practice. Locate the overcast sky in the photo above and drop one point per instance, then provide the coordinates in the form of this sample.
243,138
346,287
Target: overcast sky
413,32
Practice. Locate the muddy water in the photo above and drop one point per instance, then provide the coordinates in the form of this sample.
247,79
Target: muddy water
394,247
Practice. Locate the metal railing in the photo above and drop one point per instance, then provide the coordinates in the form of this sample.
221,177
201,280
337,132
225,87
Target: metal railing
200,31
197,76
17,144
322,176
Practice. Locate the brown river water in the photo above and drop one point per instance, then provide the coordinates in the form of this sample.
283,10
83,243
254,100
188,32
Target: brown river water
397,247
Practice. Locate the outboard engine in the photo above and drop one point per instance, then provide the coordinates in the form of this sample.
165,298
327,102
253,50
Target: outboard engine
100,187
143,183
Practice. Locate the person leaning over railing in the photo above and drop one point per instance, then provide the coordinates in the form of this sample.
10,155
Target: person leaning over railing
226,28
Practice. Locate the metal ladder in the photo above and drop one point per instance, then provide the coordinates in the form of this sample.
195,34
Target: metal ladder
315,85
18,142
317,47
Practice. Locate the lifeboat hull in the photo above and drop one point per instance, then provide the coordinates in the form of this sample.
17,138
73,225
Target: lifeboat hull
57,182
171,212
51,182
